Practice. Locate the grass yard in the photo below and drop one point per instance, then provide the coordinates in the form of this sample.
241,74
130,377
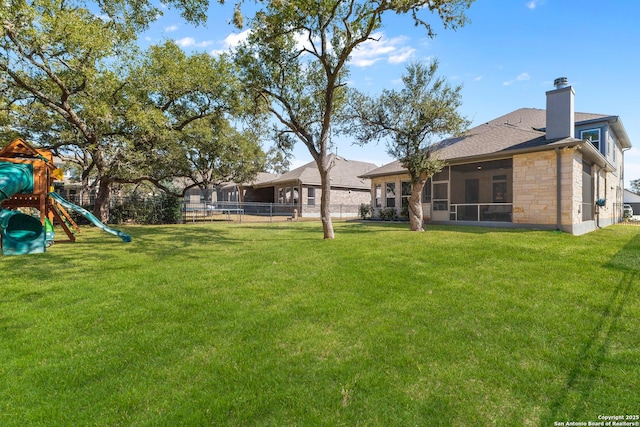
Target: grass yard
268,324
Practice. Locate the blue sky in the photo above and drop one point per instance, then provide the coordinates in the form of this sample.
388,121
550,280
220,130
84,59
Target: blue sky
506,58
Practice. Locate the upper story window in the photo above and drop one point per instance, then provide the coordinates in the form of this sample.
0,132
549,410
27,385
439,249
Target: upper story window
592,135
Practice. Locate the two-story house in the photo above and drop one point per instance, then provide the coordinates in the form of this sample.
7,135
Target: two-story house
552,168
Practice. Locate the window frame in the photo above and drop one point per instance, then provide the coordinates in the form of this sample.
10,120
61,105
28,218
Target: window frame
311,196
390,187
596,143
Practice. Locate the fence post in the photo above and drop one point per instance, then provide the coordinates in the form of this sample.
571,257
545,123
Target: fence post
270,212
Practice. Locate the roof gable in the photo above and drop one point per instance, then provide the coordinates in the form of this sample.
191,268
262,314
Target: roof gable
19,148
344,174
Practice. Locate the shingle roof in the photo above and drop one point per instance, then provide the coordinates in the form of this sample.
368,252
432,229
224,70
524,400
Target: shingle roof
520,129
344,174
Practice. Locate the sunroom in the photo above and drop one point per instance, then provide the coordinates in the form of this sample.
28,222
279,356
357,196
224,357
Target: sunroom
472,192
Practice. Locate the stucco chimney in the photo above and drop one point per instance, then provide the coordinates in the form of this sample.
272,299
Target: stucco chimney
560,110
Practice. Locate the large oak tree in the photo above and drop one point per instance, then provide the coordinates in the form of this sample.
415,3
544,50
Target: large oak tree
296,63
72,79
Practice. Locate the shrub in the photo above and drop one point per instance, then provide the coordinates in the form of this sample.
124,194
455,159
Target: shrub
366,211
163,209
388,214
404,213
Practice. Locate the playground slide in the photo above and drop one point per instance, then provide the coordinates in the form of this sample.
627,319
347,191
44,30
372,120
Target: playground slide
92,218
21,234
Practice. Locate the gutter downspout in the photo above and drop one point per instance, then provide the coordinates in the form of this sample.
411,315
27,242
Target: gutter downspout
558,190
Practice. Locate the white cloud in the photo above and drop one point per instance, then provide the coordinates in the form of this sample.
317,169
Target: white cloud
170,28
477,79
186,42
191,42
231,41
393,50
402,56
534,3
520,78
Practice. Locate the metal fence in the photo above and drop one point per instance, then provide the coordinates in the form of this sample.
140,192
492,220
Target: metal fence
260,212
170,210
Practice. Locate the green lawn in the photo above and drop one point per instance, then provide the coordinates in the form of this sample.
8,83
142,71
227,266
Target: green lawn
231,324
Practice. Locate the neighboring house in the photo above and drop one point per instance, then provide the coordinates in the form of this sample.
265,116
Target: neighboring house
551,168
232,192
227,191
301,188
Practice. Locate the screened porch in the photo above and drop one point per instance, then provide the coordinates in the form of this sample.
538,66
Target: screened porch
474,192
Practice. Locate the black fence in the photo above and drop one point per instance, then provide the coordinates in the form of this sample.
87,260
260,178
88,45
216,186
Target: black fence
260,212
166,209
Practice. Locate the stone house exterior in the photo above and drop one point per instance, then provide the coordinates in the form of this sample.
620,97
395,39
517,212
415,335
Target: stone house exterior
553,169
300,188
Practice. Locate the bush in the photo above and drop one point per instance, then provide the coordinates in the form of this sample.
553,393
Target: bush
404,213
366,211
163,209
388,214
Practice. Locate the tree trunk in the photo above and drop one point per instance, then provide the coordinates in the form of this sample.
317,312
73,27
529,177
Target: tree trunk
416,217
325,199
103,199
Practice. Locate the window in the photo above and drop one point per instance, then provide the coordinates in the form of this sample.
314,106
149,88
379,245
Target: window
296,195
391,194
280,195
592,135
311,196
378,195
406,193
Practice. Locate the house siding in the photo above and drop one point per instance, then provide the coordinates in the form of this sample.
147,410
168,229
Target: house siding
344,202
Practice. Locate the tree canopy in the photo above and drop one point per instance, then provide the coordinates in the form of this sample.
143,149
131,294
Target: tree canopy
411,120
72,79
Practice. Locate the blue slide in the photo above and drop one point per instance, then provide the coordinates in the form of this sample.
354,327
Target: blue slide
21,234
91,217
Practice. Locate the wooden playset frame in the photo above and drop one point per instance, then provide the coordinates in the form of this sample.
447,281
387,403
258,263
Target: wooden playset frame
44,173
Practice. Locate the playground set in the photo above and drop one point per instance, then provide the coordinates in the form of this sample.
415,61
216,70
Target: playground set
26,181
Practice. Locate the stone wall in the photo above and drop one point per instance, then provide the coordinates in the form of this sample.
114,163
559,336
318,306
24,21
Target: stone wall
534,188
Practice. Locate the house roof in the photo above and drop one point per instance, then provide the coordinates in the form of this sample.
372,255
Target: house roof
630,197
522,129
259,179
344,174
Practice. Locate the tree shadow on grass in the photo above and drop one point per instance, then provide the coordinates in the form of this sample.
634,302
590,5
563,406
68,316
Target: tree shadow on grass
582,379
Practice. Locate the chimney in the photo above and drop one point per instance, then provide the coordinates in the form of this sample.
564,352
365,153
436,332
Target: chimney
560,113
